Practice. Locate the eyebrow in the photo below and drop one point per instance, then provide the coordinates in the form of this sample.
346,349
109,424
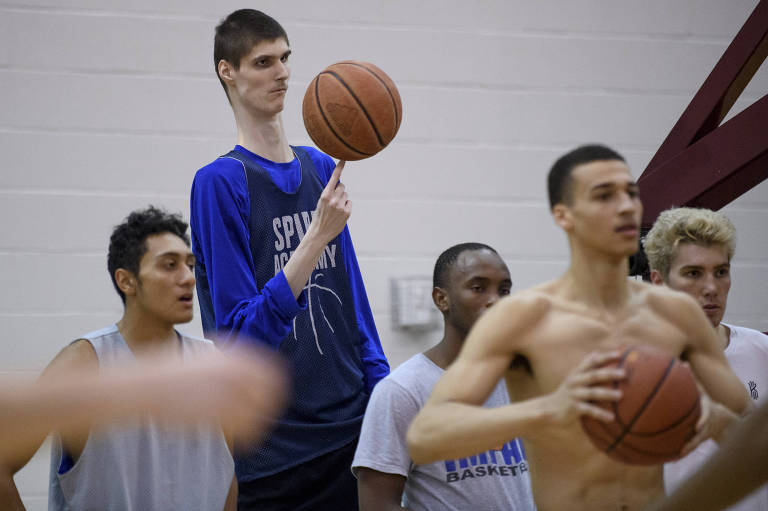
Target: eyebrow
610,185
173,253
487,279
700,266
272,55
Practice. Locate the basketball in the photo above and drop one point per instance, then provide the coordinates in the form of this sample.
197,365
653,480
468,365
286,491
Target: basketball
657,412
352,110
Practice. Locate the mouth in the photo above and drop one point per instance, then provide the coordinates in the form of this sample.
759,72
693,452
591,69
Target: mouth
710,307
187,299
628,229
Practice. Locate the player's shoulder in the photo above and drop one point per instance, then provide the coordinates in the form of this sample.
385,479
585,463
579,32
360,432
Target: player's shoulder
196,342
322,162
402,375
536,300
315,153
663,299
409,384
746,334
417,365
194,338
676,307
519,312
79,355
222,168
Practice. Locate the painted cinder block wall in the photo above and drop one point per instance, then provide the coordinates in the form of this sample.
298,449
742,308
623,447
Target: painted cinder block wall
107,106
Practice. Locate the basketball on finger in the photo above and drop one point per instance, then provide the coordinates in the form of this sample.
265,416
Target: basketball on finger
352,110
657,413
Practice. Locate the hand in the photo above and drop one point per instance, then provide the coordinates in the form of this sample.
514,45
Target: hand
244,390
714,421
333,207
576,394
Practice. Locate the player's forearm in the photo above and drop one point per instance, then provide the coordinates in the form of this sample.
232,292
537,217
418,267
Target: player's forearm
379,491
9,494
299,267
231,502
25,420
732,394
452,430
372,503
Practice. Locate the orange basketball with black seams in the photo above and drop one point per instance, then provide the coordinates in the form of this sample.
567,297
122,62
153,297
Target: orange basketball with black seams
352,110
657,413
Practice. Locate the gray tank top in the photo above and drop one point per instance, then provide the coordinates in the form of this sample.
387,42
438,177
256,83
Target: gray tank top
143,465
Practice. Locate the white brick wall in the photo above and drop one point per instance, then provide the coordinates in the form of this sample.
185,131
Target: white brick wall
107,105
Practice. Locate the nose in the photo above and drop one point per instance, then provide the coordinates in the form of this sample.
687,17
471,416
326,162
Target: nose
188,277
283,72
710,287
629,203
492,298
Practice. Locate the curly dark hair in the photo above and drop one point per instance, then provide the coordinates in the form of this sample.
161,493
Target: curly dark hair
448,258
128,244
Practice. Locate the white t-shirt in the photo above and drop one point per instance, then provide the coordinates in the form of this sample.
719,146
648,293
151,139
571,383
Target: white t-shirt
494,480
747,352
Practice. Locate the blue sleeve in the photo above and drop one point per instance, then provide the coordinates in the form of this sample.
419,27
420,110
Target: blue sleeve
219,212
375,363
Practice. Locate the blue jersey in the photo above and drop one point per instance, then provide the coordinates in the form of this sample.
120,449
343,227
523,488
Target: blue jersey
248,214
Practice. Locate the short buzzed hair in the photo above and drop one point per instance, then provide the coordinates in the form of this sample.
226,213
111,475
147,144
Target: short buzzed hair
238,33
559,179
686,225
448,258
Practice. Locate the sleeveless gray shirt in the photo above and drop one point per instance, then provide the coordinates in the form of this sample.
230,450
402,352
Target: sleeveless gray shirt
143,465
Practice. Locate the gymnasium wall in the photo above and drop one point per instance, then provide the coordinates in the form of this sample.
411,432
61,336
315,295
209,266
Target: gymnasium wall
107,106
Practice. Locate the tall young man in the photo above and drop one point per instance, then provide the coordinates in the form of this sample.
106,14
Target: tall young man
138,464
275,265
549,342
690,250
468,279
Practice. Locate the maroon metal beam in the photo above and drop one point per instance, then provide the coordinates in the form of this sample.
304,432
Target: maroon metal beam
734,186
733,155
722,87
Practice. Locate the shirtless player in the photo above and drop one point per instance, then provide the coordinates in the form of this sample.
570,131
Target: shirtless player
548,342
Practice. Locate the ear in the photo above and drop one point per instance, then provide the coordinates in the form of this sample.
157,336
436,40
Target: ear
225,71
656,278
562,215
440,297
126,281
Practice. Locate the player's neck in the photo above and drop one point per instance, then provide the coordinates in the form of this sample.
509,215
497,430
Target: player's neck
445,352
598,281
724,334
146,335
264,136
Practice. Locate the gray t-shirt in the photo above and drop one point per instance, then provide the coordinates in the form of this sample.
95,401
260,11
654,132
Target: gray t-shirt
143,464
495,480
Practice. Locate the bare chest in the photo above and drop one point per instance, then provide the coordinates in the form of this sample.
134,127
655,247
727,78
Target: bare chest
553,349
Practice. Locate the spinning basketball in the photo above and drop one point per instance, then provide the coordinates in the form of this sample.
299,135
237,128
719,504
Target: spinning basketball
656,414
352,110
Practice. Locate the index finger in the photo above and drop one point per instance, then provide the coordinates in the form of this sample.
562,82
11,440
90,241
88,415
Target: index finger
598,358
336,176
